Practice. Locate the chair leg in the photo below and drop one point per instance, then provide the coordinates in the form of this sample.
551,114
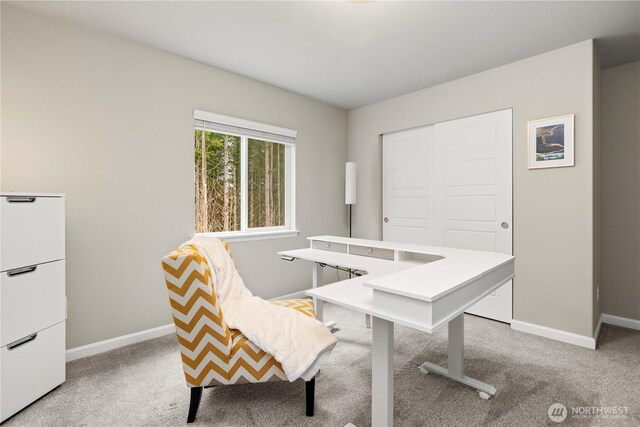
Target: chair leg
310,391
196,394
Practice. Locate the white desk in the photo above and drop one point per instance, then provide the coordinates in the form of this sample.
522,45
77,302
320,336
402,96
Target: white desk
422,287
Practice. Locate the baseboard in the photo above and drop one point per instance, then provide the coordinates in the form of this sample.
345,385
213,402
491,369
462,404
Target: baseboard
596,334
517,325
294,295
624,322
554,334
117,342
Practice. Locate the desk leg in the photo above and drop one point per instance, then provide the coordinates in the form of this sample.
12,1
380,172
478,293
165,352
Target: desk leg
317,281
382,373
320,311
455,367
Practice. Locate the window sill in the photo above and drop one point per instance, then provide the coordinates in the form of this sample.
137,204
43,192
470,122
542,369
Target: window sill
247,236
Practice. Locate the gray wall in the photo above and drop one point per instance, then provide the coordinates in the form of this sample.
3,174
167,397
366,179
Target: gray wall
621,191
110,123
553,208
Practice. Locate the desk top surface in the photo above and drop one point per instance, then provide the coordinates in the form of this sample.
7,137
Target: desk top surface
442,271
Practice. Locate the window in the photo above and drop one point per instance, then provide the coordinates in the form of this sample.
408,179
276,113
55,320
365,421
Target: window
244,178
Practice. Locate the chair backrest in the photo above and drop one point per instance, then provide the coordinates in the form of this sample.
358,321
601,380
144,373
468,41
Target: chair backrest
203,335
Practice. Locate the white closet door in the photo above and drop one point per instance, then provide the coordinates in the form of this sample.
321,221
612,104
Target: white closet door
450,185
474,197
407,187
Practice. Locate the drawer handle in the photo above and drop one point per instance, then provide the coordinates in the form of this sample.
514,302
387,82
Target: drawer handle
20,199
22,270
22,341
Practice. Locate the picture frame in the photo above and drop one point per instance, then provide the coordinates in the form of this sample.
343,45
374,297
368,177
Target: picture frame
551,142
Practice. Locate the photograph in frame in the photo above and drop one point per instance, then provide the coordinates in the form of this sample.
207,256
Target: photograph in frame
551,142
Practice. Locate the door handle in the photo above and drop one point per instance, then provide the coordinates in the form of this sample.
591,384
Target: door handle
22,341
386,219
20,199
504,225
22,270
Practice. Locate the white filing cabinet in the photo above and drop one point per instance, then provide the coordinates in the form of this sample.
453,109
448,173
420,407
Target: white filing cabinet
32,298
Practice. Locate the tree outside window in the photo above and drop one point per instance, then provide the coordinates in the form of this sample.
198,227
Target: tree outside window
219,173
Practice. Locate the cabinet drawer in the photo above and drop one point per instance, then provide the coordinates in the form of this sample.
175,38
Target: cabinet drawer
31,230
329,246
31,300
32,369
371,252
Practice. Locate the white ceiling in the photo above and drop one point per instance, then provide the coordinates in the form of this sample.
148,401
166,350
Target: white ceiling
355,53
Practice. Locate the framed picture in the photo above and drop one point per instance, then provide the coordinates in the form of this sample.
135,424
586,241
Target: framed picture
551,142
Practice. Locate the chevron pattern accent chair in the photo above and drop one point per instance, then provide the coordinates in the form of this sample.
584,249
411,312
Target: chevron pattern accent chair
212,353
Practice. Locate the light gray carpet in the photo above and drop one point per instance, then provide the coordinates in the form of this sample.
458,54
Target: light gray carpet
142,384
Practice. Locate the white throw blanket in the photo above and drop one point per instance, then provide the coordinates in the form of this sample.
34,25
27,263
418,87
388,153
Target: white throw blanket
300,343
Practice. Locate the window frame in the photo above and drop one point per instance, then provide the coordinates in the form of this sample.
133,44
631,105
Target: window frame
245,232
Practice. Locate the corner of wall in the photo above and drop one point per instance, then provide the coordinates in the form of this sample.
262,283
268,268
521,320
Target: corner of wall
597,181
620,200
